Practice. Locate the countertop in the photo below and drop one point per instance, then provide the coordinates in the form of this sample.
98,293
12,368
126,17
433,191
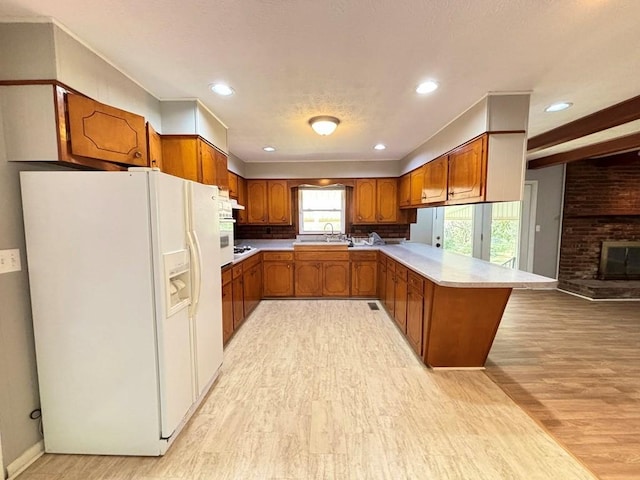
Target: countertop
443,268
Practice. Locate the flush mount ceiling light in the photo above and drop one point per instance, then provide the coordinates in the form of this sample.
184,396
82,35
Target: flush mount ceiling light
269,149
558,107
324,124
380,146
427,87
222,89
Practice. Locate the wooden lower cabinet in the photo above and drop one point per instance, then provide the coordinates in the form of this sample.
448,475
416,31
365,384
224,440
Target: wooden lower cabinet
252,283
227,304
308,279
400,301
390,287
382,278
364,278
415,309
335,279
238,296
277,269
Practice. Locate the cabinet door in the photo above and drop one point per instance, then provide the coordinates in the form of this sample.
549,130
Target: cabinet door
404,196
387,200
435,180
417,180
279,202
238,302
242,200
382,279
414,319
428,292
335,279
208,174
227,312
180,157
154,146
278,279
400,304
365,201
256,206
467,167
222,174
363,279
233,185
107,133
308,279
390,290
253,288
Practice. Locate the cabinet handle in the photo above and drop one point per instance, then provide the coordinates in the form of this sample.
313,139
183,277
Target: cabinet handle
137,154
289,266
451,194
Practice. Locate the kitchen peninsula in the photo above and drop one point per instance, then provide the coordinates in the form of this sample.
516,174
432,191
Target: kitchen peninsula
448,306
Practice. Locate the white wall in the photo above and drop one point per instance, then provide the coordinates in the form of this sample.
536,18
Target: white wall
360,169
548,217
27,51
422,230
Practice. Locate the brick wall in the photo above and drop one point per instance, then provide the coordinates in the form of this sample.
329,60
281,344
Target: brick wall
290,231
602,202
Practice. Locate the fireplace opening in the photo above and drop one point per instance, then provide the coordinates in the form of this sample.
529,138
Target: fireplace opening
620,261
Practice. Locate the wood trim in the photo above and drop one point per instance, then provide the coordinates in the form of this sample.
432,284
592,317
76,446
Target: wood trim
52,82
618,114
320,182
627,142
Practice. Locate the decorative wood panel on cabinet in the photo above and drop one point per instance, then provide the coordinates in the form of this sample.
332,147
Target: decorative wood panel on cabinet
415,307
278,274
387,200
417,181
190,157
467,172
435,180
238,295
364,268
256,207
233,185
222,174
99,131
279,202
404,197
308,278
227,304
242,200
154,147
365,201
335,279
208,171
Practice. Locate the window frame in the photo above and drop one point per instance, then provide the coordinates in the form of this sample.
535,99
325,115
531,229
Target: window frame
343,209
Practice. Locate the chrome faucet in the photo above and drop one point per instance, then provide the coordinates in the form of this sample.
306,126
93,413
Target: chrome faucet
330,236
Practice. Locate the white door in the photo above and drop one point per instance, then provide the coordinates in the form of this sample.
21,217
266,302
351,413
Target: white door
206,312
174,343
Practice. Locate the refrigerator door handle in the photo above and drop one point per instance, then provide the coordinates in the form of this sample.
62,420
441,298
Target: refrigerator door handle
197,266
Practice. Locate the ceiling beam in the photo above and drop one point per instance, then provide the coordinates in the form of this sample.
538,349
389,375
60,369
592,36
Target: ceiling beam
620,144
609,117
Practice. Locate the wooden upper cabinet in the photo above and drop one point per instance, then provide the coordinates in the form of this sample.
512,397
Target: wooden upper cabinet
435,180
222,174
99,131
180,157
154,146
279,202
207,155
365,201
256,206
233,185
404,188
387,200
242,200
417,179
467,167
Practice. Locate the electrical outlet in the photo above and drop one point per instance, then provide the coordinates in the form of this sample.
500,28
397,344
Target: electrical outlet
10,261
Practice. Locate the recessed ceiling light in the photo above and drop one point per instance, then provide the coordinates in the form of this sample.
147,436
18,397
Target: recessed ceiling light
558,107
269,149
427,87
380,146
222,89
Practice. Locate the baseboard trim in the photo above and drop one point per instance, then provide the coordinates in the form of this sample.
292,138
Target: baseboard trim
23,462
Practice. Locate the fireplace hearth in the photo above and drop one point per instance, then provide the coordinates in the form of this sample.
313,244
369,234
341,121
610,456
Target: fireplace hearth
620,261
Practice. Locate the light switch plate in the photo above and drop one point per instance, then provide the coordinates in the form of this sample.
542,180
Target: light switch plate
10,261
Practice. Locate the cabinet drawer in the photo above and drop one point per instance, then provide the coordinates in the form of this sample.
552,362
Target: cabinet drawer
391,265
277,256
401,272
251,261
237,270
365,255
322,256
226,275
416,282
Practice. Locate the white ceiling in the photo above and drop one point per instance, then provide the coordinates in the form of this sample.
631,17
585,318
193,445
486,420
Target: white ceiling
360,60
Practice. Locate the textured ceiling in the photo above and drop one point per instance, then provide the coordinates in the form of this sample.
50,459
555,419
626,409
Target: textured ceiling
360,60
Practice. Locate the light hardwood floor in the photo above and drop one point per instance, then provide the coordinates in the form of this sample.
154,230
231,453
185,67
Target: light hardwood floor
574,365
329,389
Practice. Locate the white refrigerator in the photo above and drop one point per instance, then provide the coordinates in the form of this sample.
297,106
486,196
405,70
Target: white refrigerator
124,271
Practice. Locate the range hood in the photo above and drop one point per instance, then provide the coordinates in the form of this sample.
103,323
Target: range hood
235,205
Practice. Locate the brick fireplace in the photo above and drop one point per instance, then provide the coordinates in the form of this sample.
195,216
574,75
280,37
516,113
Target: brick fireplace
601,204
